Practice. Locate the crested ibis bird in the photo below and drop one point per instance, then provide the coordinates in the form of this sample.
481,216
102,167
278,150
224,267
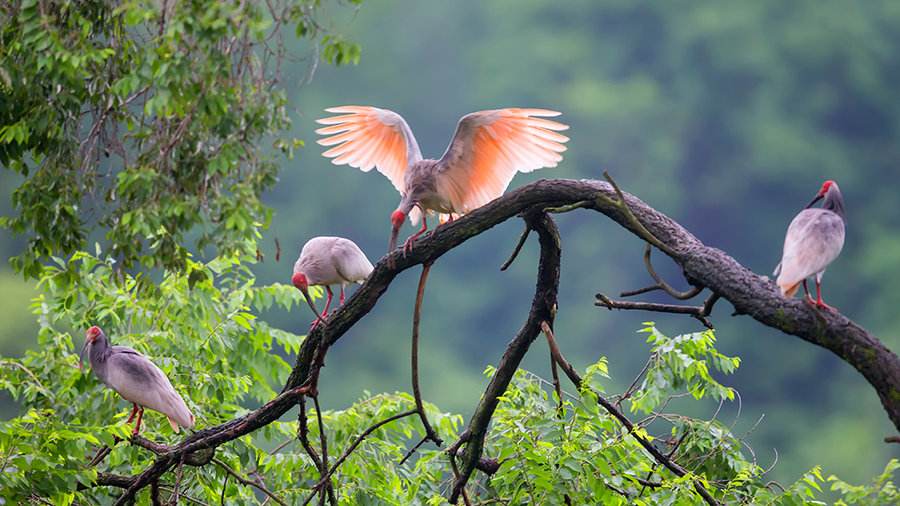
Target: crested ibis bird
326,261
487,150
814,239
136,379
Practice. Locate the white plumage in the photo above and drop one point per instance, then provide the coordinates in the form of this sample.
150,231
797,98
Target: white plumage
326,261
814,239
332,261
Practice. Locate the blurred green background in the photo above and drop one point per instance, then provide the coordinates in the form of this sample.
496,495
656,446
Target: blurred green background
727,116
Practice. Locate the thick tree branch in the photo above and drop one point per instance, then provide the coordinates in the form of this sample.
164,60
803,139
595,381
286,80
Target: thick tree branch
748,292
543,309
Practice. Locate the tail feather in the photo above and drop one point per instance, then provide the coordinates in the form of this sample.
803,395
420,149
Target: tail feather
789,291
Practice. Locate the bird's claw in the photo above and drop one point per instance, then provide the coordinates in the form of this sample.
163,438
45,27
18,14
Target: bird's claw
316,323
408,245
820,304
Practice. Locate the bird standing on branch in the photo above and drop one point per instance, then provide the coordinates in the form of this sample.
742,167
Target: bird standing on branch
326,261
814,239
136,379
489,147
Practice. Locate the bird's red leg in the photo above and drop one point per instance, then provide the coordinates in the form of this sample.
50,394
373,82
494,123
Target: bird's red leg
328,301
809,299
134,409
321,318
137,426
342,295
407,246
819,302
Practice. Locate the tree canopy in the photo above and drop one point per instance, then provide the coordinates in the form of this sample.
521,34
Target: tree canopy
154,129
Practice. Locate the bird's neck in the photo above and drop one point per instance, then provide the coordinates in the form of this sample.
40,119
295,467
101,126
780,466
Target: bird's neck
99,353
834,202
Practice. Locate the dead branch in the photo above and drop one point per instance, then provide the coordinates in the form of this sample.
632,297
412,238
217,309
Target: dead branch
430,433
701,313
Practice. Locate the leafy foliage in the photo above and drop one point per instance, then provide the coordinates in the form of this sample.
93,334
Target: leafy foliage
144,119
548,450
147,120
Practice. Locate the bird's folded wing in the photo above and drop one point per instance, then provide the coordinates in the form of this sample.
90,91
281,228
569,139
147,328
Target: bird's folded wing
368,137
139,380
813,240
350,261
489,147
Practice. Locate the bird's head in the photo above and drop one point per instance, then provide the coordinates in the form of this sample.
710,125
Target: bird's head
826,186
299,280
397,218
90,337
302,283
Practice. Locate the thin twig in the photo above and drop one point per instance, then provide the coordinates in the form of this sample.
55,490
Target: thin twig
356,442
512,257
414,358
554,371
323,441
632,220
661,284
576,379
245,481
698,312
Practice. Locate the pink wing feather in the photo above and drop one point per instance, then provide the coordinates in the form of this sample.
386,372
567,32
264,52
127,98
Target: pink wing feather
368,137
490,147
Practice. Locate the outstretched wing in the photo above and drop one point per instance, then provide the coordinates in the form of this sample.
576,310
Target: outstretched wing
489,147
365,137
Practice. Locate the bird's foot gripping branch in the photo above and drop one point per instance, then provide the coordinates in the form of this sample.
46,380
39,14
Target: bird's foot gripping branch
703,267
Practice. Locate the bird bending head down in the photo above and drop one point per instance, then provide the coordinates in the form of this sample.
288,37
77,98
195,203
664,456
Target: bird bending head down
299,280
90,337
397,219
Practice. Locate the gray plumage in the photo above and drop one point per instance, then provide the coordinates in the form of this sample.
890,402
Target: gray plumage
814,239
137,379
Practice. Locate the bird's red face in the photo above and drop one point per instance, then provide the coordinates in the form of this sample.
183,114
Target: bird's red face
299,280
821,194
92,334
90,337
825,187
397,218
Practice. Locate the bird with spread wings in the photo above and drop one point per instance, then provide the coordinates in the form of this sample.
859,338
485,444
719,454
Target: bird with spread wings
487,150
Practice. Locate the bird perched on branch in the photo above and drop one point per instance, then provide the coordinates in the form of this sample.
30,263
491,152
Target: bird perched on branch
488,149
326,261
136,379
814,239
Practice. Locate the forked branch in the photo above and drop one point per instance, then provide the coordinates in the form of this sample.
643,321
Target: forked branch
748,292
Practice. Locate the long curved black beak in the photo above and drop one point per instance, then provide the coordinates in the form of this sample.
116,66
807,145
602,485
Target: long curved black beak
312,306
81,355
813,202
392,245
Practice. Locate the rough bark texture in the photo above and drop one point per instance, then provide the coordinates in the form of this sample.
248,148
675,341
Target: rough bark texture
543,309
748,292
